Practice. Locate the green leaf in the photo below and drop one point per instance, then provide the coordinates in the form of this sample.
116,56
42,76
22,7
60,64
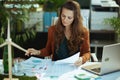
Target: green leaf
114,22
1,40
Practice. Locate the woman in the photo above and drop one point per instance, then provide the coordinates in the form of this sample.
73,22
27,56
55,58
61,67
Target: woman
67,37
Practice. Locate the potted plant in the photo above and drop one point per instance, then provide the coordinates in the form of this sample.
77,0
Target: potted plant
19,33
3,21
115,22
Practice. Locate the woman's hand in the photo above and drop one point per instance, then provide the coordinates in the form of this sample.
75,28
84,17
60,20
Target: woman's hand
32,51
78,62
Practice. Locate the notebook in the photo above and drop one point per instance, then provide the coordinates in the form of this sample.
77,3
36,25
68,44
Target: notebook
110,61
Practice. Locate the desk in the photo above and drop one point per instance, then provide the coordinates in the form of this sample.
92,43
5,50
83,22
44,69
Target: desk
66,74
2,76
70,75
43,69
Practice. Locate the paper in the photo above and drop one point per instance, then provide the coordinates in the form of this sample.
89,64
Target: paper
27,67
71,59
1,66
58,69
33,66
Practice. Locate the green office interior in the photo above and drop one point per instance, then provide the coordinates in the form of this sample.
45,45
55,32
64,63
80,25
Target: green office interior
30,34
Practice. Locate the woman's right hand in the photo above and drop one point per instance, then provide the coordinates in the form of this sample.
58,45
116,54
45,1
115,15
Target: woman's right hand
32,51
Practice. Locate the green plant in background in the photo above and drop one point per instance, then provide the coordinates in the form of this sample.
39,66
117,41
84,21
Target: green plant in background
115,23
52,5
19,33
3,22
41,1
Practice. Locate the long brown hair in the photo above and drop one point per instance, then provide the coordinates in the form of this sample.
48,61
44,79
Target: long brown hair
77,29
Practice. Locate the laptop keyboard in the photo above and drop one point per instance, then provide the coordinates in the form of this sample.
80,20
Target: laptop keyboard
96,70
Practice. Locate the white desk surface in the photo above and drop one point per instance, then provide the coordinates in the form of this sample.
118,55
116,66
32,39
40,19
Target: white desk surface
70,74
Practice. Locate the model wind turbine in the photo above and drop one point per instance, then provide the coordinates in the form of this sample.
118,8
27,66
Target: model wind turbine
10,44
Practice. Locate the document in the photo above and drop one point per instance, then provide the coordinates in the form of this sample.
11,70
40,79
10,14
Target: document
28,67
1,66
46,67
70,60
58,69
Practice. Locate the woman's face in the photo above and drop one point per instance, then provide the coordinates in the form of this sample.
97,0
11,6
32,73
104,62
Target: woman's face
67,17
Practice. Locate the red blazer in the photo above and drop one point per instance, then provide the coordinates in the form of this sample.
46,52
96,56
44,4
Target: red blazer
49,49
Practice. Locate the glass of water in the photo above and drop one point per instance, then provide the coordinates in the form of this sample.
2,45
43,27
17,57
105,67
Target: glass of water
17,68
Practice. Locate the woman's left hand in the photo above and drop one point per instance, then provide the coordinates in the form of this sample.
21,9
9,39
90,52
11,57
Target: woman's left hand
78,62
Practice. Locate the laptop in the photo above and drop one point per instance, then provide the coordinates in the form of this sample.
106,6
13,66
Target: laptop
110,61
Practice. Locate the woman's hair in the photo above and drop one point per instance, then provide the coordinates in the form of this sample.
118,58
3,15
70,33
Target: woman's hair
77,30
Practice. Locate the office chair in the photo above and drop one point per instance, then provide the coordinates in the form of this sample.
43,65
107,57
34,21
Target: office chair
93,57
54,20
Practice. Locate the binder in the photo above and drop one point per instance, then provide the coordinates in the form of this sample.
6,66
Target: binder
47,19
